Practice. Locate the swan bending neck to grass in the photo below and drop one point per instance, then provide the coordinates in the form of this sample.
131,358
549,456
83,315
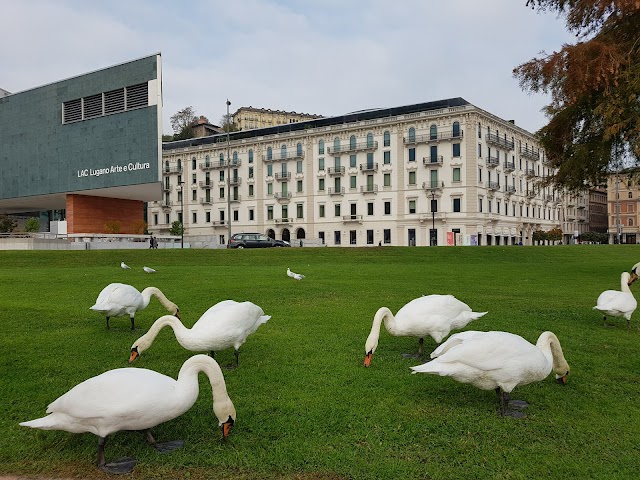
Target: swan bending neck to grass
618,303
498,361
432,315
118,299
136,399
226,324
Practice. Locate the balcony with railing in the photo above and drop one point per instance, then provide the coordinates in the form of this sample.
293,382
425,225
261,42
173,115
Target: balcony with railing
530,193
492,162
369,167
530,153
213,164
236,199
352,218
206,183
433,161
284,196
205,201
172,169
335,191
493,186
282,176
219,223
235,181
548,198
278,157
509,189
368,188
165,205
335,171
530,172
433,185
508,167
167,188
284,221
428,138
352,148
494,139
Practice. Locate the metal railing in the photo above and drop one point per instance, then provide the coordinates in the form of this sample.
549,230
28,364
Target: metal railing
426,138
357,147
369,189
498,140
433,160
369,167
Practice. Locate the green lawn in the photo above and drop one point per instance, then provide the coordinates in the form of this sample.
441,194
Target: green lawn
307,408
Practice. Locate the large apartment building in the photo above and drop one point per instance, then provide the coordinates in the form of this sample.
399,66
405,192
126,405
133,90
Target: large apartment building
248,118
437,173
624,218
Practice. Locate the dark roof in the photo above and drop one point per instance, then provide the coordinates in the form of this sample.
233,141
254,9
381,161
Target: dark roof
320,122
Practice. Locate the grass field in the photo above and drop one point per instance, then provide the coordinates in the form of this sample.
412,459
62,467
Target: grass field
306,407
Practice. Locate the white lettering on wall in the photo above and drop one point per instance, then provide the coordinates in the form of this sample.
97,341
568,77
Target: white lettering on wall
98,172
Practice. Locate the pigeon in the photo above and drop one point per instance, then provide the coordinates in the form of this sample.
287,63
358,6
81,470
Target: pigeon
148,269
125,266
297,276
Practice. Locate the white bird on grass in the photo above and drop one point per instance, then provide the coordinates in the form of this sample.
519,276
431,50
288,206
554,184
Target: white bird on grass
118,299
297,276
136,399
433,315
618,303
125,266
148,269
226,324
498,361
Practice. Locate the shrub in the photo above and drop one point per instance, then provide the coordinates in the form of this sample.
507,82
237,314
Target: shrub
7,224
112,226
176,228
32,225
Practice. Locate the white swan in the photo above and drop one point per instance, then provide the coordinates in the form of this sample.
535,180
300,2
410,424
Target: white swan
135,399
498,361
118,299
618,303
125,266
433,315
148,269
634,273
226,324
296,276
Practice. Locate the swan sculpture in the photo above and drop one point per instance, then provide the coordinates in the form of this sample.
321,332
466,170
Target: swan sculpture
618,303
148,269
135,399
433,315
118,299
498,361
226,324
295,276
125,266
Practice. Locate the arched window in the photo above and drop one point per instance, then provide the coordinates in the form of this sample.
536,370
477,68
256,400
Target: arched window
269,153
412,134
250,155
456,129
387,139
321,147
283,152
369,140
336,145
299,150
235,157
433,132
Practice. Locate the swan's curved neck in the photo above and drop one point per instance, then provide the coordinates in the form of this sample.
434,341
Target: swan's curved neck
624,282
549,344
149,291
181,332
384,314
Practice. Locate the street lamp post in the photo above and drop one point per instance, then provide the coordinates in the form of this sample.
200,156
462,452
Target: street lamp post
180,184
433,218
228,177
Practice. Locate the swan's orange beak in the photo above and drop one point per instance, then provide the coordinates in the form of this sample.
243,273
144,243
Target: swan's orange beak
563,379
367,359
226,427
134,354
633,278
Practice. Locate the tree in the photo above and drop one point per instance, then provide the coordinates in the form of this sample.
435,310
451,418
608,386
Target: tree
227,124
32,225
554,234
176,228
7,224
181,123
112,226
594,114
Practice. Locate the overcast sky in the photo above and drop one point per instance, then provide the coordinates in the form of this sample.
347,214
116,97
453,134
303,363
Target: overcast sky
326,57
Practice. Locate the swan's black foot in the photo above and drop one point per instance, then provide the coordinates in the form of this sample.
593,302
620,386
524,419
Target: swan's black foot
517,404
121,466
513,413
412,355
231,366
167,447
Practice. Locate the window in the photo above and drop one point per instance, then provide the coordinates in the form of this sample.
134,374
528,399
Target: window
251,190
412,178
270,212
352,142
336,237
387,158
269,188
456,129
336,145
321,184
479,174
321,164
250,172
251,215
354,210
336,162
166,218
456,149
412,154
299,210
456,174
235,215
269,153
387,208
369,140
479,150
630,195
221,214
352,237
321,237
336,210
412,206
193,178
193,163
321,211
155,218
270,170
250,155
180,217
299,166
412,135
352,182
370,208
369,237
480,204
433,132
299,186
387,179
221,175
479,130
194,195
456,204
299,150
321,147
353,161
283,152
387,139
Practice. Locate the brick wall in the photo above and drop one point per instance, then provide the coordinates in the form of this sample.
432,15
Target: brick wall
88,214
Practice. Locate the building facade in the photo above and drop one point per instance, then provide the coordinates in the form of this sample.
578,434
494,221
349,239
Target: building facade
437,173
622,199
248,118
598,211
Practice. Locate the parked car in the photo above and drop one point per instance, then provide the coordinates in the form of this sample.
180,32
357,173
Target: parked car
255,240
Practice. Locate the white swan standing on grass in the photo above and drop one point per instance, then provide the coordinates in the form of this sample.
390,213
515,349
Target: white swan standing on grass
618,303
498,361
135,399
433,315
296,276
125,266
148,269
118,299
226,324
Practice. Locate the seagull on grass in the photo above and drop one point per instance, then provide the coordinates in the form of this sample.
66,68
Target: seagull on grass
148,269
125,266
297,276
